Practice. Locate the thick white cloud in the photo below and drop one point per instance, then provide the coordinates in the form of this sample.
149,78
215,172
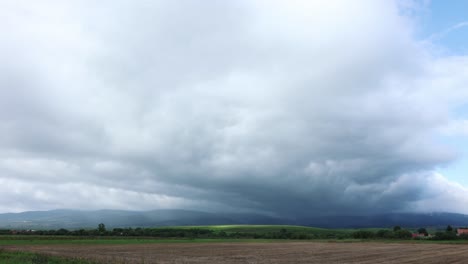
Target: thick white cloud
286,107
439,194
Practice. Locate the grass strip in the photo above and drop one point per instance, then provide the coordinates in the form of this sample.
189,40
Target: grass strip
17,257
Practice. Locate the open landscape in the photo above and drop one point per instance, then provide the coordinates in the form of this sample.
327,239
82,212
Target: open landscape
233,244
257,252
233,131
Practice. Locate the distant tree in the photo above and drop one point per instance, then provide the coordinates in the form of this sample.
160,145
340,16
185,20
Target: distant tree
384,233
101,228
80,232
396,228
445,236
284,233
423,230
449,228
363,234
403,234
62,232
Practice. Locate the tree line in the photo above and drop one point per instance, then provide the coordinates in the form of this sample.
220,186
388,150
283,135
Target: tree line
282,233
398,233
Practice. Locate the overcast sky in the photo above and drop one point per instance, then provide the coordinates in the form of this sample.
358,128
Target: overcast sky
291,108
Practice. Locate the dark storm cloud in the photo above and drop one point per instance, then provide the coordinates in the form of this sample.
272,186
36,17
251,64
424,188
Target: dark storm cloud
299,108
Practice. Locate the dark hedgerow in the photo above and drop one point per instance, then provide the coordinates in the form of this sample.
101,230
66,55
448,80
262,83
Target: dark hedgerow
363,234
234,232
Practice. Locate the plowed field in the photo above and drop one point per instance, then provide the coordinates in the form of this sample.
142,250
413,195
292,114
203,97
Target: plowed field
286,252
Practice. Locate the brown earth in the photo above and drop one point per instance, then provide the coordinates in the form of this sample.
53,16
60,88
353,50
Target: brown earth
286,252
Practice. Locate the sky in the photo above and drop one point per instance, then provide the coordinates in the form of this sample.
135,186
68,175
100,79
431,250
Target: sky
294,108
447,26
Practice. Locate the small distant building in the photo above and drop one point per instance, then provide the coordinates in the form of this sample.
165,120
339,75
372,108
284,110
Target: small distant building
462,231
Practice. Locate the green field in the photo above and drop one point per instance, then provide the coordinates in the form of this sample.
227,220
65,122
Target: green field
230,233
129,241
7,257
311,232
38,240
317,233
262,229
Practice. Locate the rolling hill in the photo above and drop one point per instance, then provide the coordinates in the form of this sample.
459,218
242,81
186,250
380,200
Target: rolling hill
74,219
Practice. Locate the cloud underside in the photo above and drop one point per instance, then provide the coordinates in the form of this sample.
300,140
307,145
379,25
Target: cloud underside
294,108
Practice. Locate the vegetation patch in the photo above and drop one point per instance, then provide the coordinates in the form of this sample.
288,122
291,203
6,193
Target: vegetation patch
13,257
219,233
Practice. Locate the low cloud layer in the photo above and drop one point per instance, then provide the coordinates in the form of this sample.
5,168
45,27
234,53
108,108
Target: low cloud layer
297,107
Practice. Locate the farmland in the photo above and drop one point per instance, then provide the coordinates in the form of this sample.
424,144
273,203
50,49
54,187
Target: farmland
273,252
229,244
227,232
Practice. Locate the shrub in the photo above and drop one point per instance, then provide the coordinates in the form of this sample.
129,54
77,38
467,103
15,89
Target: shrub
363,234
403,234
384,233
445,236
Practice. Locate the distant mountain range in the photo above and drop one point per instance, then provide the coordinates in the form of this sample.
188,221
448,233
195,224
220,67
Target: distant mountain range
390,220
74,219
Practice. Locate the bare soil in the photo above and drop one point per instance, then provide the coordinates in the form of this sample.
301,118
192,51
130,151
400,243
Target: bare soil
285,252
